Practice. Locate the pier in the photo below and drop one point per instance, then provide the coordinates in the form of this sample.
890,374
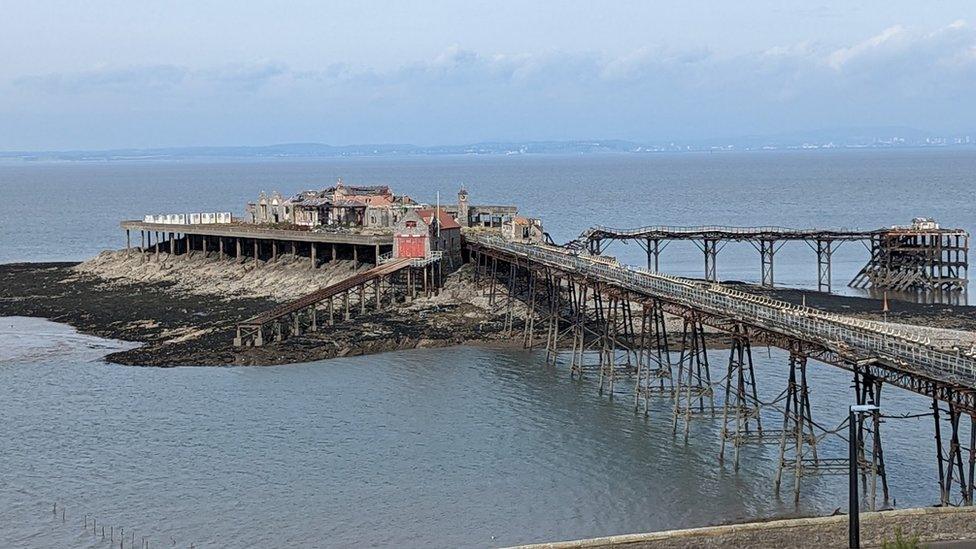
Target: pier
242,240
601,318
921,256
393,281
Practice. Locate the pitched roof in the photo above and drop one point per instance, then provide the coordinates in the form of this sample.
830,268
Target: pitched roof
349,203
445,219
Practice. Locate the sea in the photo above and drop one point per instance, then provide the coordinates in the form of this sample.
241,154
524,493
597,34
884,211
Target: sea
456,447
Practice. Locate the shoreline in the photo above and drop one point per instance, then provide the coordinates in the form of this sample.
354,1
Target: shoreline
174,327
183,312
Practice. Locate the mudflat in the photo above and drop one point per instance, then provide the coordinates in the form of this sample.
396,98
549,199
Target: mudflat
179,327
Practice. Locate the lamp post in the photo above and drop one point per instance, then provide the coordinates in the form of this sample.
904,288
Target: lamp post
853,513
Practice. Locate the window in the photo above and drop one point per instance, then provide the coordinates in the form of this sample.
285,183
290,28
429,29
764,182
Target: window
411,224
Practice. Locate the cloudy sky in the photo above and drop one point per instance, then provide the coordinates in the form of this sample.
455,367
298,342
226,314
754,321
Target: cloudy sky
100,74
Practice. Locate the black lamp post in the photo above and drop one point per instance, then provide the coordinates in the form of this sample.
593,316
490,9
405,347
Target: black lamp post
853,512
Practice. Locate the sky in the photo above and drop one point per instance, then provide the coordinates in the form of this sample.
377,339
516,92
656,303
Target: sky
129,74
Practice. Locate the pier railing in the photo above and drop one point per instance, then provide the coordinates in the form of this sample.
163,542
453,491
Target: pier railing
855,339
725,231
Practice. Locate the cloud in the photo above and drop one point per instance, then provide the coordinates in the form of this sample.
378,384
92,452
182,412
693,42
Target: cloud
152,78
900,76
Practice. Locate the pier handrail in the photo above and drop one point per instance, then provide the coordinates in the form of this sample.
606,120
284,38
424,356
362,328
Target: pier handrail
855,339
769,232
676,231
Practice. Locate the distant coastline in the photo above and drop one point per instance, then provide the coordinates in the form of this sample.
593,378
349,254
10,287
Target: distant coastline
870,139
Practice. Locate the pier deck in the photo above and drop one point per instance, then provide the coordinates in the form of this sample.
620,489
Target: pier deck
242,240
244,230
902,258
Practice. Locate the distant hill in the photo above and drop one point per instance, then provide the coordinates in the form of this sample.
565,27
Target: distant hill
839,138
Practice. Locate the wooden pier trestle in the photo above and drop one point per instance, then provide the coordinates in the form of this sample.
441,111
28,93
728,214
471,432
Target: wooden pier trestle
603,319
382,286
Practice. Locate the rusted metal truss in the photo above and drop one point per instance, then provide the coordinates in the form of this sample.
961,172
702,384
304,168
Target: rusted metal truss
916,259
623,337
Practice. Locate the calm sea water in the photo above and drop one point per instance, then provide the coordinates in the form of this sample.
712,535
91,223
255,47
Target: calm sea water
450,447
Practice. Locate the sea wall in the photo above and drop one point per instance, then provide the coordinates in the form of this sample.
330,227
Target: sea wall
929,524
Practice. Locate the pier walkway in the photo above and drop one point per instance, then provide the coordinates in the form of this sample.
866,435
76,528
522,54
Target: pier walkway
919,256
386,283
593,308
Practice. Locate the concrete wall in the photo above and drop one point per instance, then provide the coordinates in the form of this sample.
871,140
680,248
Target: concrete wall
929,523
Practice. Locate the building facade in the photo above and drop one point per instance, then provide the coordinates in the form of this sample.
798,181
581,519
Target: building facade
424,230
368,206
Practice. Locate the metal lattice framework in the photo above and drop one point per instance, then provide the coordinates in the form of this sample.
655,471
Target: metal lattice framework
902,258
587,302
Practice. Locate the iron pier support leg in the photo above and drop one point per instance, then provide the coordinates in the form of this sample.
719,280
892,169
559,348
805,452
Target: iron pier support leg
237,245
939,456
868,391
128,243
257,251
595,246
824,251
157,246
710,248
355,255
741,400
767,250
311,263
220,245
172,244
